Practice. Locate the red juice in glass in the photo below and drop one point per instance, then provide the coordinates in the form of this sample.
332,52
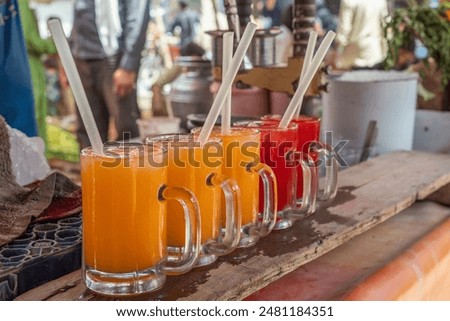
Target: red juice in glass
308,142
276,145
308,130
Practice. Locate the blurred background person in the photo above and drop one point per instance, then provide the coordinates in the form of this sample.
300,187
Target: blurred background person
107,40
37,48
360,35
188,21
327,12
273,10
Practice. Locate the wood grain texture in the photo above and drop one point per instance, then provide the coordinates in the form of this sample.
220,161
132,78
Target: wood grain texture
278,79
336,273
369,193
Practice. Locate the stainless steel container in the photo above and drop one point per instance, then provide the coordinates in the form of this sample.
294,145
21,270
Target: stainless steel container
190,93
262,51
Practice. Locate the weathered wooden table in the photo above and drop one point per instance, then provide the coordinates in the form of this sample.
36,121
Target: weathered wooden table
369,193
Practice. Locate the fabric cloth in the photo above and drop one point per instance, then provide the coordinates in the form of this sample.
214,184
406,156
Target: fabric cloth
359,36
36,47
16,93
55,196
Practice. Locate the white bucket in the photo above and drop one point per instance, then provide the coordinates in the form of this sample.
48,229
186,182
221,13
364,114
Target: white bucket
355,98
158,126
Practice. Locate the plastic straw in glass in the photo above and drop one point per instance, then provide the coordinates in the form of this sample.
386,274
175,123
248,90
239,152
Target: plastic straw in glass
306,62
305,82
227,55
75,83
227,81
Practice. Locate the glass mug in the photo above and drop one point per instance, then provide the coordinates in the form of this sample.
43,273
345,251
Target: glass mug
199,169
125,249
278,151
308,142
241,162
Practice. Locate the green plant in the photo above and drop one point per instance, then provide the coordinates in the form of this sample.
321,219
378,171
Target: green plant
430,25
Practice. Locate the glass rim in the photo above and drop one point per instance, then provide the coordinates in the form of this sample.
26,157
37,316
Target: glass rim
127,148
253,130
188,142
258,124
295,118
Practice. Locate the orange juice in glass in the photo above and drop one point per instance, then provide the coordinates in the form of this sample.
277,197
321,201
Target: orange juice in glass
124,222
241,148
200,170
185,166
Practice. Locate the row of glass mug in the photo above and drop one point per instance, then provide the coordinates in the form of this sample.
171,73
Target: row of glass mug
170,205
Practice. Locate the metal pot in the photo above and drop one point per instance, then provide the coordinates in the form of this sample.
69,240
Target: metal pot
190,92
197,120
262,50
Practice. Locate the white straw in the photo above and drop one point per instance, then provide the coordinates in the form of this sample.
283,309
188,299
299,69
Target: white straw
169,107
227,55
306,62
227,81
304,83
75,83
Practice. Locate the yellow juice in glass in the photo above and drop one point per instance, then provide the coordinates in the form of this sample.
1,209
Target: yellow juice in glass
241,147
124,226
190,167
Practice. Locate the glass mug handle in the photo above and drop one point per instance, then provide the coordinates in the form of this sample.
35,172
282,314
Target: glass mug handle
308,204
233,215
269,215
192,229
331,172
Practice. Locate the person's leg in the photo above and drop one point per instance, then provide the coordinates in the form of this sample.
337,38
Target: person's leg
128,114
91,75
124,110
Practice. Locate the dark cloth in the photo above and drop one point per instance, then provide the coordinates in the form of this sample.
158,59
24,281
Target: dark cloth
56,196
187,20
96,76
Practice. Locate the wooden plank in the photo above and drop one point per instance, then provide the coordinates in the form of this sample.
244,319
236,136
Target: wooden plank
337,272
441,196
369,193
277,79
